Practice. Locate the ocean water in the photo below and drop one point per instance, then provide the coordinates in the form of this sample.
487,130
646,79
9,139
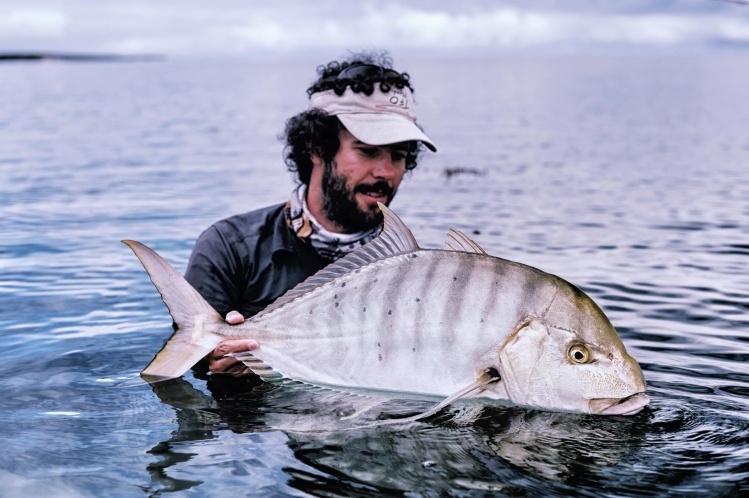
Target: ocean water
626,175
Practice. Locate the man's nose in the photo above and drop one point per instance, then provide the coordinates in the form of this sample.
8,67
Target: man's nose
385,167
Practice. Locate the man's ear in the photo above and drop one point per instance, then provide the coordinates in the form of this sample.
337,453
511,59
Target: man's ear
315,155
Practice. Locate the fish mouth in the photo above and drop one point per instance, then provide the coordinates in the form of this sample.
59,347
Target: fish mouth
619,406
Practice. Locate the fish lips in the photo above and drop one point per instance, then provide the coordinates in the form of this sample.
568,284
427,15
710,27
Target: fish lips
619,406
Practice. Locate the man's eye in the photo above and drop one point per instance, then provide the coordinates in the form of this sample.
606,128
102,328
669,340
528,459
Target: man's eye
369,151
398,155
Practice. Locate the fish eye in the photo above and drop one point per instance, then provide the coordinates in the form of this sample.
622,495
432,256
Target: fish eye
579,354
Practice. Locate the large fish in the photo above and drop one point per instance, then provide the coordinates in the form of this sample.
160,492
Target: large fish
393,316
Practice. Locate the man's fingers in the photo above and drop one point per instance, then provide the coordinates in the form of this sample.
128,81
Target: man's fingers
236,370
228,366
234,317
222,365
219,363
234,346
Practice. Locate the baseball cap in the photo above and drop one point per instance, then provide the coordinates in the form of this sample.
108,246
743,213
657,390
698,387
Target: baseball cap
384,117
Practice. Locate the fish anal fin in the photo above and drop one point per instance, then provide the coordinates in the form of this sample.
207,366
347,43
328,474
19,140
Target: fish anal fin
258,366
458,241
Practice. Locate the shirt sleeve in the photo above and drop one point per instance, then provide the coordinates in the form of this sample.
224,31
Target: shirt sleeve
211,270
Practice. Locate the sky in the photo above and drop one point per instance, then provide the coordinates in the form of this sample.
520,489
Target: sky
247,28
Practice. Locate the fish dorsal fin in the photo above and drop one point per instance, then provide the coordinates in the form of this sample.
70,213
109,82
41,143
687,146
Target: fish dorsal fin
458,241
394,239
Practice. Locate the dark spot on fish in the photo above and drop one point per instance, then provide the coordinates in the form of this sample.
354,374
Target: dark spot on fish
414,255
413,350
375,280
310,312
364,310
611,356
343,284
481,321
335,297
390,312
378,344
336,304
379,357
417,300
455,279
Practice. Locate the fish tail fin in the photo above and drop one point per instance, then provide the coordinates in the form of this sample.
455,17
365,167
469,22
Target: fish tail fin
197,323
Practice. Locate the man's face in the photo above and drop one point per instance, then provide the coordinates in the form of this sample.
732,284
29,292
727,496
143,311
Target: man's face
359,177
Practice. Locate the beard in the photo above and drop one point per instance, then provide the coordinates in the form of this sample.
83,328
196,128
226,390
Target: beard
340,205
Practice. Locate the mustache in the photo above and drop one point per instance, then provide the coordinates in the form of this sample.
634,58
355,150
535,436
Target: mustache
379,186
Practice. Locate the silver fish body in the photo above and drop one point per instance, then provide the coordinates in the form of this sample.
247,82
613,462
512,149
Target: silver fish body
392,316
412,322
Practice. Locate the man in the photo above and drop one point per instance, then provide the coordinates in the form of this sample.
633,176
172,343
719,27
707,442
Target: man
350,150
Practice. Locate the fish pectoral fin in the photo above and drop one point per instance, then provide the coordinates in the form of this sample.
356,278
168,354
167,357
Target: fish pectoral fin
362,409
489,376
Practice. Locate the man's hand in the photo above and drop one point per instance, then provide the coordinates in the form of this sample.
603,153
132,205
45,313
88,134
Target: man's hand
218,363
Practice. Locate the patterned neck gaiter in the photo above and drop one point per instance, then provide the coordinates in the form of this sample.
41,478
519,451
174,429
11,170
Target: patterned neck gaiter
329,245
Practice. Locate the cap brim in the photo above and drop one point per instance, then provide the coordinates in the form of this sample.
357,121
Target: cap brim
383,129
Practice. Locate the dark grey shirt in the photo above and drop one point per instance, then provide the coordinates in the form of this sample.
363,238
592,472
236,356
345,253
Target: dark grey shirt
245,262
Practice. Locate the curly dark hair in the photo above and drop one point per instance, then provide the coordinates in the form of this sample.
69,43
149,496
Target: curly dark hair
329,79
316,131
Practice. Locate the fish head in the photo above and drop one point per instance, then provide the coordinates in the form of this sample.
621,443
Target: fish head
550,367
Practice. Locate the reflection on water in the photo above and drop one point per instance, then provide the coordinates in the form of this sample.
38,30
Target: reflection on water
624,175
469,446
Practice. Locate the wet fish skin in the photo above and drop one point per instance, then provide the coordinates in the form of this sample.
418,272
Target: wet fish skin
392,316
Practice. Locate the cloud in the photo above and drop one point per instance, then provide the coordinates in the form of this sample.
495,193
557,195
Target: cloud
241,27
43,23
503,29
260,32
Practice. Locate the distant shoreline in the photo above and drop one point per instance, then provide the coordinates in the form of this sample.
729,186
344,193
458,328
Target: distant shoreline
51,56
